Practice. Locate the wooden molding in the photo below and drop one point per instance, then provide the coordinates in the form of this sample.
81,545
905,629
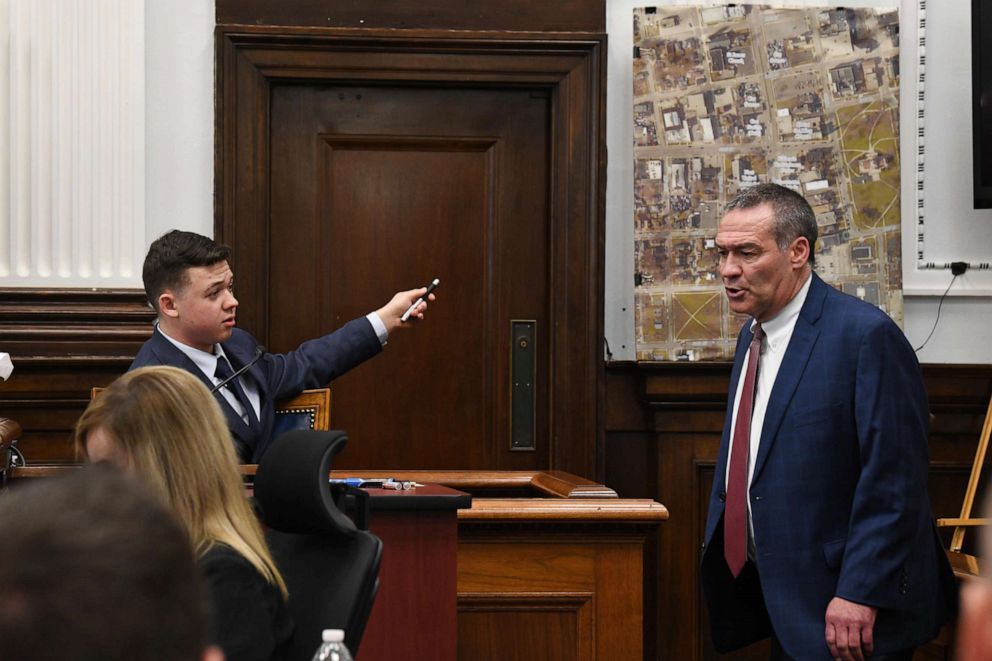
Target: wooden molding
55,326
568,15
564,510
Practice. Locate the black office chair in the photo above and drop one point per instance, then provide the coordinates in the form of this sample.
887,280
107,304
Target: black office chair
330,565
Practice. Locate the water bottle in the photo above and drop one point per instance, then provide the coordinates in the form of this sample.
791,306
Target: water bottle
332,649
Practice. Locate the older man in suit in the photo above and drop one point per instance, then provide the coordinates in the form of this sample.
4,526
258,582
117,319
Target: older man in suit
190,284
819,531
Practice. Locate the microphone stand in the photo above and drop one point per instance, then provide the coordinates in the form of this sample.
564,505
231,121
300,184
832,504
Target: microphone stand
259,351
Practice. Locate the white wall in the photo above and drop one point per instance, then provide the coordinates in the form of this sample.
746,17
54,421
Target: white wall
953,230
179,116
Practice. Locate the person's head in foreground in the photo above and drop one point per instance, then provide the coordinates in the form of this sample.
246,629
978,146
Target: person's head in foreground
93,568
163,425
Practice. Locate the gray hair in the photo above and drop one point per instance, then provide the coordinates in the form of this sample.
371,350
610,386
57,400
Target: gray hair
791,213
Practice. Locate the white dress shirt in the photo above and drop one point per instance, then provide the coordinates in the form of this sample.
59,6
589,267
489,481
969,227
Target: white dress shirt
778,332
207,363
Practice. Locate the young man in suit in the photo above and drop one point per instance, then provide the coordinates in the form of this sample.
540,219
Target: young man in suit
819,531
190,284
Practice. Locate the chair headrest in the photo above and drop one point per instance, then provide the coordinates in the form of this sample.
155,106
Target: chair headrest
292,484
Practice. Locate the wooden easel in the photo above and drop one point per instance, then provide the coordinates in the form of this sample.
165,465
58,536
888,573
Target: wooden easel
964,564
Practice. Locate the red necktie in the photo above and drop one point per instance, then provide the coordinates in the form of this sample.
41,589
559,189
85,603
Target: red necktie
735,512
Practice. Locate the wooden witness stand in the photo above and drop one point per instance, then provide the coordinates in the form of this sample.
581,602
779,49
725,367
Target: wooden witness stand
548,565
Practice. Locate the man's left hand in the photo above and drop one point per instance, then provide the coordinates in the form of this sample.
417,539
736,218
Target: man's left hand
849,629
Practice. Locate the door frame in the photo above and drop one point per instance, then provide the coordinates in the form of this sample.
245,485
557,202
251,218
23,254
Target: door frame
571,67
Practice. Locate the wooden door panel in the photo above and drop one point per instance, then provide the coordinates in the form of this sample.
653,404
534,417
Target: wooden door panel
377,189
519,630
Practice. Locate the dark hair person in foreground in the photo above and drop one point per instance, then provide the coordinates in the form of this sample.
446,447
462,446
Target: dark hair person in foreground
94,568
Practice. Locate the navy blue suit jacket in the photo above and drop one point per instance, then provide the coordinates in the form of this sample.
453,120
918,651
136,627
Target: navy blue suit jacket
839,494
277,375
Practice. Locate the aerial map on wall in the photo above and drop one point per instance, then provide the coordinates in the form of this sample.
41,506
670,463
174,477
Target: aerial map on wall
731,96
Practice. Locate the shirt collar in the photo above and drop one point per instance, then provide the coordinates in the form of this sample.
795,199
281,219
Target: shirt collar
780,327
206,361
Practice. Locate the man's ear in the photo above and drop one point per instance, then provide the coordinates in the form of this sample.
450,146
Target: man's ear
167,304
800,252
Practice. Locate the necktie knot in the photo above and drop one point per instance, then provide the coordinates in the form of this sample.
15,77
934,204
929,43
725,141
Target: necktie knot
759,333
223,369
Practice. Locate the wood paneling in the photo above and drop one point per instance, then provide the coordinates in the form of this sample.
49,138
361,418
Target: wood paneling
62,343
517,15
416,603
56,326
533,589
664,423
355,163
526,626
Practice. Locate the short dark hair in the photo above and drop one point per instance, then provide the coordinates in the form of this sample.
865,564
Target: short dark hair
93,568
793,215
171,255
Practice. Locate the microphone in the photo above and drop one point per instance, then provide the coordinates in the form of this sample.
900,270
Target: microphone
259,350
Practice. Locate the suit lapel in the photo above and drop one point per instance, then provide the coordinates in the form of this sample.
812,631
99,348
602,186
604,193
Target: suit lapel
790,373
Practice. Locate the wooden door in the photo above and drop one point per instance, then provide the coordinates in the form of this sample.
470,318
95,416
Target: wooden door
379,189
355,163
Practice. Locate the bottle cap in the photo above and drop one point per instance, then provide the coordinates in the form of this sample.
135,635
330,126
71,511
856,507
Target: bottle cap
332,636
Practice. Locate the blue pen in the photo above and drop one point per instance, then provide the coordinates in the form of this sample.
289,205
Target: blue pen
350,481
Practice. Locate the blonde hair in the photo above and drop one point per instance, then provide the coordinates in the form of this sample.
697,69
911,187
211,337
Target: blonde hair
173,435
